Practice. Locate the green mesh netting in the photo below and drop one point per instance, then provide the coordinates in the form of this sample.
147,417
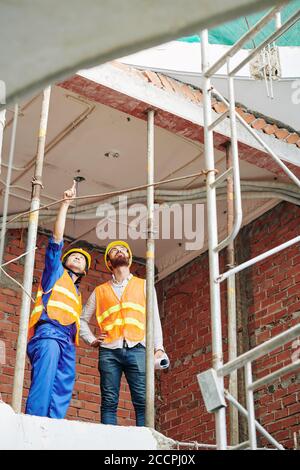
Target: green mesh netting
229,33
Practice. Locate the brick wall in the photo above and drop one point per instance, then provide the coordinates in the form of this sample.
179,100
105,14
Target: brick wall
268,303
85,404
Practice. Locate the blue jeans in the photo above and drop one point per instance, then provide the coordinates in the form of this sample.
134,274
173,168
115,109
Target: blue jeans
112,363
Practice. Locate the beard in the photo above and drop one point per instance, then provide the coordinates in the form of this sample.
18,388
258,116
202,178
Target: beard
120,260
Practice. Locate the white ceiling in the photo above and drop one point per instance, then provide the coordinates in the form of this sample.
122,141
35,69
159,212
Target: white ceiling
82,152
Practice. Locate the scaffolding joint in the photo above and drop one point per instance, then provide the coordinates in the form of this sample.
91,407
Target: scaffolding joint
214,170
36,182
148,110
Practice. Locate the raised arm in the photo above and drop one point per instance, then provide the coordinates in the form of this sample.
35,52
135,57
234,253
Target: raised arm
55,246
60,222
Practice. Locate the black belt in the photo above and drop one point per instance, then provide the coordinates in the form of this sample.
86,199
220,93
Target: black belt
125,345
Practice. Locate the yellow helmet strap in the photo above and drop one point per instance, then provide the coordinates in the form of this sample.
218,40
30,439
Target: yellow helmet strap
79,276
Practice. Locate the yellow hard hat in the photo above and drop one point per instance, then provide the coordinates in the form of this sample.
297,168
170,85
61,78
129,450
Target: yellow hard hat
79,250
116,243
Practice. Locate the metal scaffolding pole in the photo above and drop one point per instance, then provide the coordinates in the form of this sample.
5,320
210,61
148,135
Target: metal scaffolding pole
281,30
7,184
237,199
278,22
258,258
250,406
234,224
150,273
258,426
266,147
2,125
215,301
243,40
231,307
261,350
29,262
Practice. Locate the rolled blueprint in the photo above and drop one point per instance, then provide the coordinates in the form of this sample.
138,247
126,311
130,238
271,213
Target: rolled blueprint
162,362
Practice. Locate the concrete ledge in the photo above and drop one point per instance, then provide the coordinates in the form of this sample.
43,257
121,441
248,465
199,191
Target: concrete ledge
23,432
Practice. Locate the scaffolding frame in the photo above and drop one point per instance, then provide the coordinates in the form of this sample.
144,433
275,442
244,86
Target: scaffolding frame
214,246
30,257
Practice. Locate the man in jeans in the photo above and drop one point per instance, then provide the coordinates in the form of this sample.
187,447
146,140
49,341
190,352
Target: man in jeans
120,307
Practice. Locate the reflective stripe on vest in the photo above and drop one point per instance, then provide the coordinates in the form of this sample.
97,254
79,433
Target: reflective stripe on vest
37,309
117,308
64,304
124,317
125,321
65,291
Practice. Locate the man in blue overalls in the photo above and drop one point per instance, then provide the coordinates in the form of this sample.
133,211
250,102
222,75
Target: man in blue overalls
54,323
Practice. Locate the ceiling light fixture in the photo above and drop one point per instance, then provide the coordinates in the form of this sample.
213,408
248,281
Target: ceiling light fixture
112,153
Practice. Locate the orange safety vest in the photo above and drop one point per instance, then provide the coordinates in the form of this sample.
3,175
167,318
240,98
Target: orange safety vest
64,305
124,317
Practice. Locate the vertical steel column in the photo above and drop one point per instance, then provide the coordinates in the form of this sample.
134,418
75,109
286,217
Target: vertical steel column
2,125
233,191
215,301
250,406
231,286
8,180
29,262
231,308
150,273
278,22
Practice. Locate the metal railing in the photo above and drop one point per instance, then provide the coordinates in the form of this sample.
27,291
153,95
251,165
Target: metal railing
245,360
215,247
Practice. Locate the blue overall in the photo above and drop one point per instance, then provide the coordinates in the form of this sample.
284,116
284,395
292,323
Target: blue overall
51,351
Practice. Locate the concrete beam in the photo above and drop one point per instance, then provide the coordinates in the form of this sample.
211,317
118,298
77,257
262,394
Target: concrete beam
23,432
41,42
132,94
